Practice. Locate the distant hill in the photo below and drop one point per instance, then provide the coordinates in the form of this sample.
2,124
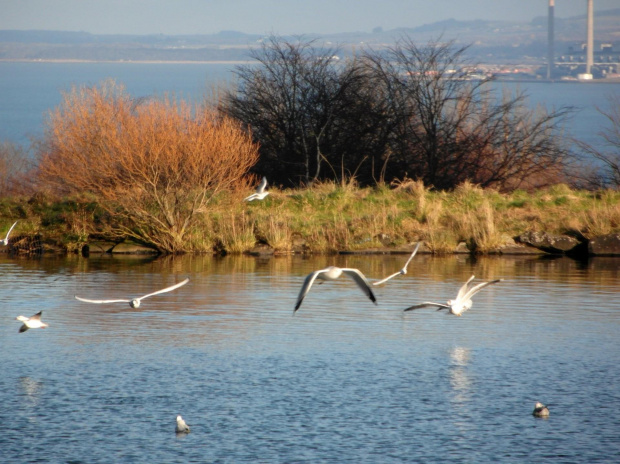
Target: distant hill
490,40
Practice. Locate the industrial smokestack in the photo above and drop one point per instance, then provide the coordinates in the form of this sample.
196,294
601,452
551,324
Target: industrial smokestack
590,41
550,58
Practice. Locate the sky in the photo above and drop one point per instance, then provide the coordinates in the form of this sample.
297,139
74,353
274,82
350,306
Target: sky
280,17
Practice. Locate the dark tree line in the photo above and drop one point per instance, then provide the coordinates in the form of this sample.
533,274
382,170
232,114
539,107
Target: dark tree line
406,111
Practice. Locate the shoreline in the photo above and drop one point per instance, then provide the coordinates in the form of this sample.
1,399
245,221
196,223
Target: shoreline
77,61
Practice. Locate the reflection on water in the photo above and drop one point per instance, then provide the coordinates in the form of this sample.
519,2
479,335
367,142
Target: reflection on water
342,380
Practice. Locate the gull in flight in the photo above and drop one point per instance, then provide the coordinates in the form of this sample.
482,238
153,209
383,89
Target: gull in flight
181,427
135,302
463,299
5,240
332,273
403,271
540,410
32,322
260,191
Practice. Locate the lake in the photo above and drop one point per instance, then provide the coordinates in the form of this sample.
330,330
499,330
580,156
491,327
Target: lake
29,90
342,380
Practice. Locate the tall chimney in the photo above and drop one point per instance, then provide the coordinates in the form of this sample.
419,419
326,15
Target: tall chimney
550,58
590,41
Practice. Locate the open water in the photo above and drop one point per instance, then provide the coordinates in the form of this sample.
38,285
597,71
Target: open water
28,91
341,381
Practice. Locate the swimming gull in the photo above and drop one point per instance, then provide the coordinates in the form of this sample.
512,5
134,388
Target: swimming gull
181,427
32,322
403,271
135,302
540,410
5,240
463,300
260,191
332,273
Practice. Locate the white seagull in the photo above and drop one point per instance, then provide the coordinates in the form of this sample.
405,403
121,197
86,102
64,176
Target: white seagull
260,191
403,271
540,410
135,302
32,322
5,240
463,299
181,427
332,273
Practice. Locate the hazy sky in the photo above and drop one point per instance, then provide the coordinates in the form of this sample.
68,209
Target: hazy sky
266,16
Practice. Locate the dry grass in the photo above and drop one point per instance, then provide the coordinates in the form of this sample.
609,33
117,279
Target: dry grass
328,218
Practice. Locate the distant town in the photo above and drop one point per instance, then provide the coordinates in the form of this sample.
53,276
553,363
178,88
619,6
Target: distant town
547,48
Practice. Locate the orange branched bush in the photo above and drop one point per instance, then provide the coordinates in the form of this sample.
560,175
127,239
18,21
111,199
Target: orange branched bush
155,163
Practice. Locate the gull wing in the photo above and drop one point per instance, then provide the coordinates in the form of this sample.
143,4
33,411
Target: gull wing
476,288
101,301
427,304
262,186
415,250
464,288
23,328
402,271
9,232
36,316
167,289
361,282
305,288
382,281
254,196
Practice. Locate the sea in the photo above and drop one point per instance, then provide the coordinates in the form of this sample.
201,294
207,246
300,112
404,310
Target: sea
30,90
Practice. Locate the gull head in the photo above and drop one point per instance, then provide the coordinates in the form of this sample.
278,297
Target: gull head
135,303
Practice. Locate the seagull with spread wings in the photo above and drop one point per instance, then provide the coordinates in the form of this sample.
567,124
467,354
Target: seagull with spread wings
463,299
32,322
403,271
332,273
135,302
260,191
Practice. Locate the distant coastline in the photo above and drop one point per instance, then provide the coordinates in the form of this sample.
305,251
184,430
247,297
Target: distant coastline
65,60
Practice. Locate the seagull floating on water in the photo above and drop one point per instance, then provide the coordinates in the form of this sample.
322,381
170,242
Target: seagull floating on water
181,427
540,410
332,273
32,322
260,191
403,271
5,240
135,302
463,300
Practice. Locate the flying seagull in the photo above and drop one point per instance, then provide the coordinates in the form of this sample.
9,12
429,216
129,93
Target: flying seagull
135,302
181,427
5,240
332,273
540,410
260,191
463,299
403,271
32,322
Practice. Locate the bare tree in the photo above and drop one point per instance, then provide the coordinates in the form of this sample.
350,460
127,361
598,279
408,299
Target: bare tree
609,155
450,127
306,109
14,163
154,165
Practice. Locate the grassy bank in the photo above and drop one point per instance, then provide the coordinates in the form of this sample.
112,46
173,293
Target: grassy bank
330,217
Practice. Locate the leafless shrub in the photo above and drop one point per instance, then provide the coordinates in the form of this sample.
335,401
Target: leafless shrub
154,164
